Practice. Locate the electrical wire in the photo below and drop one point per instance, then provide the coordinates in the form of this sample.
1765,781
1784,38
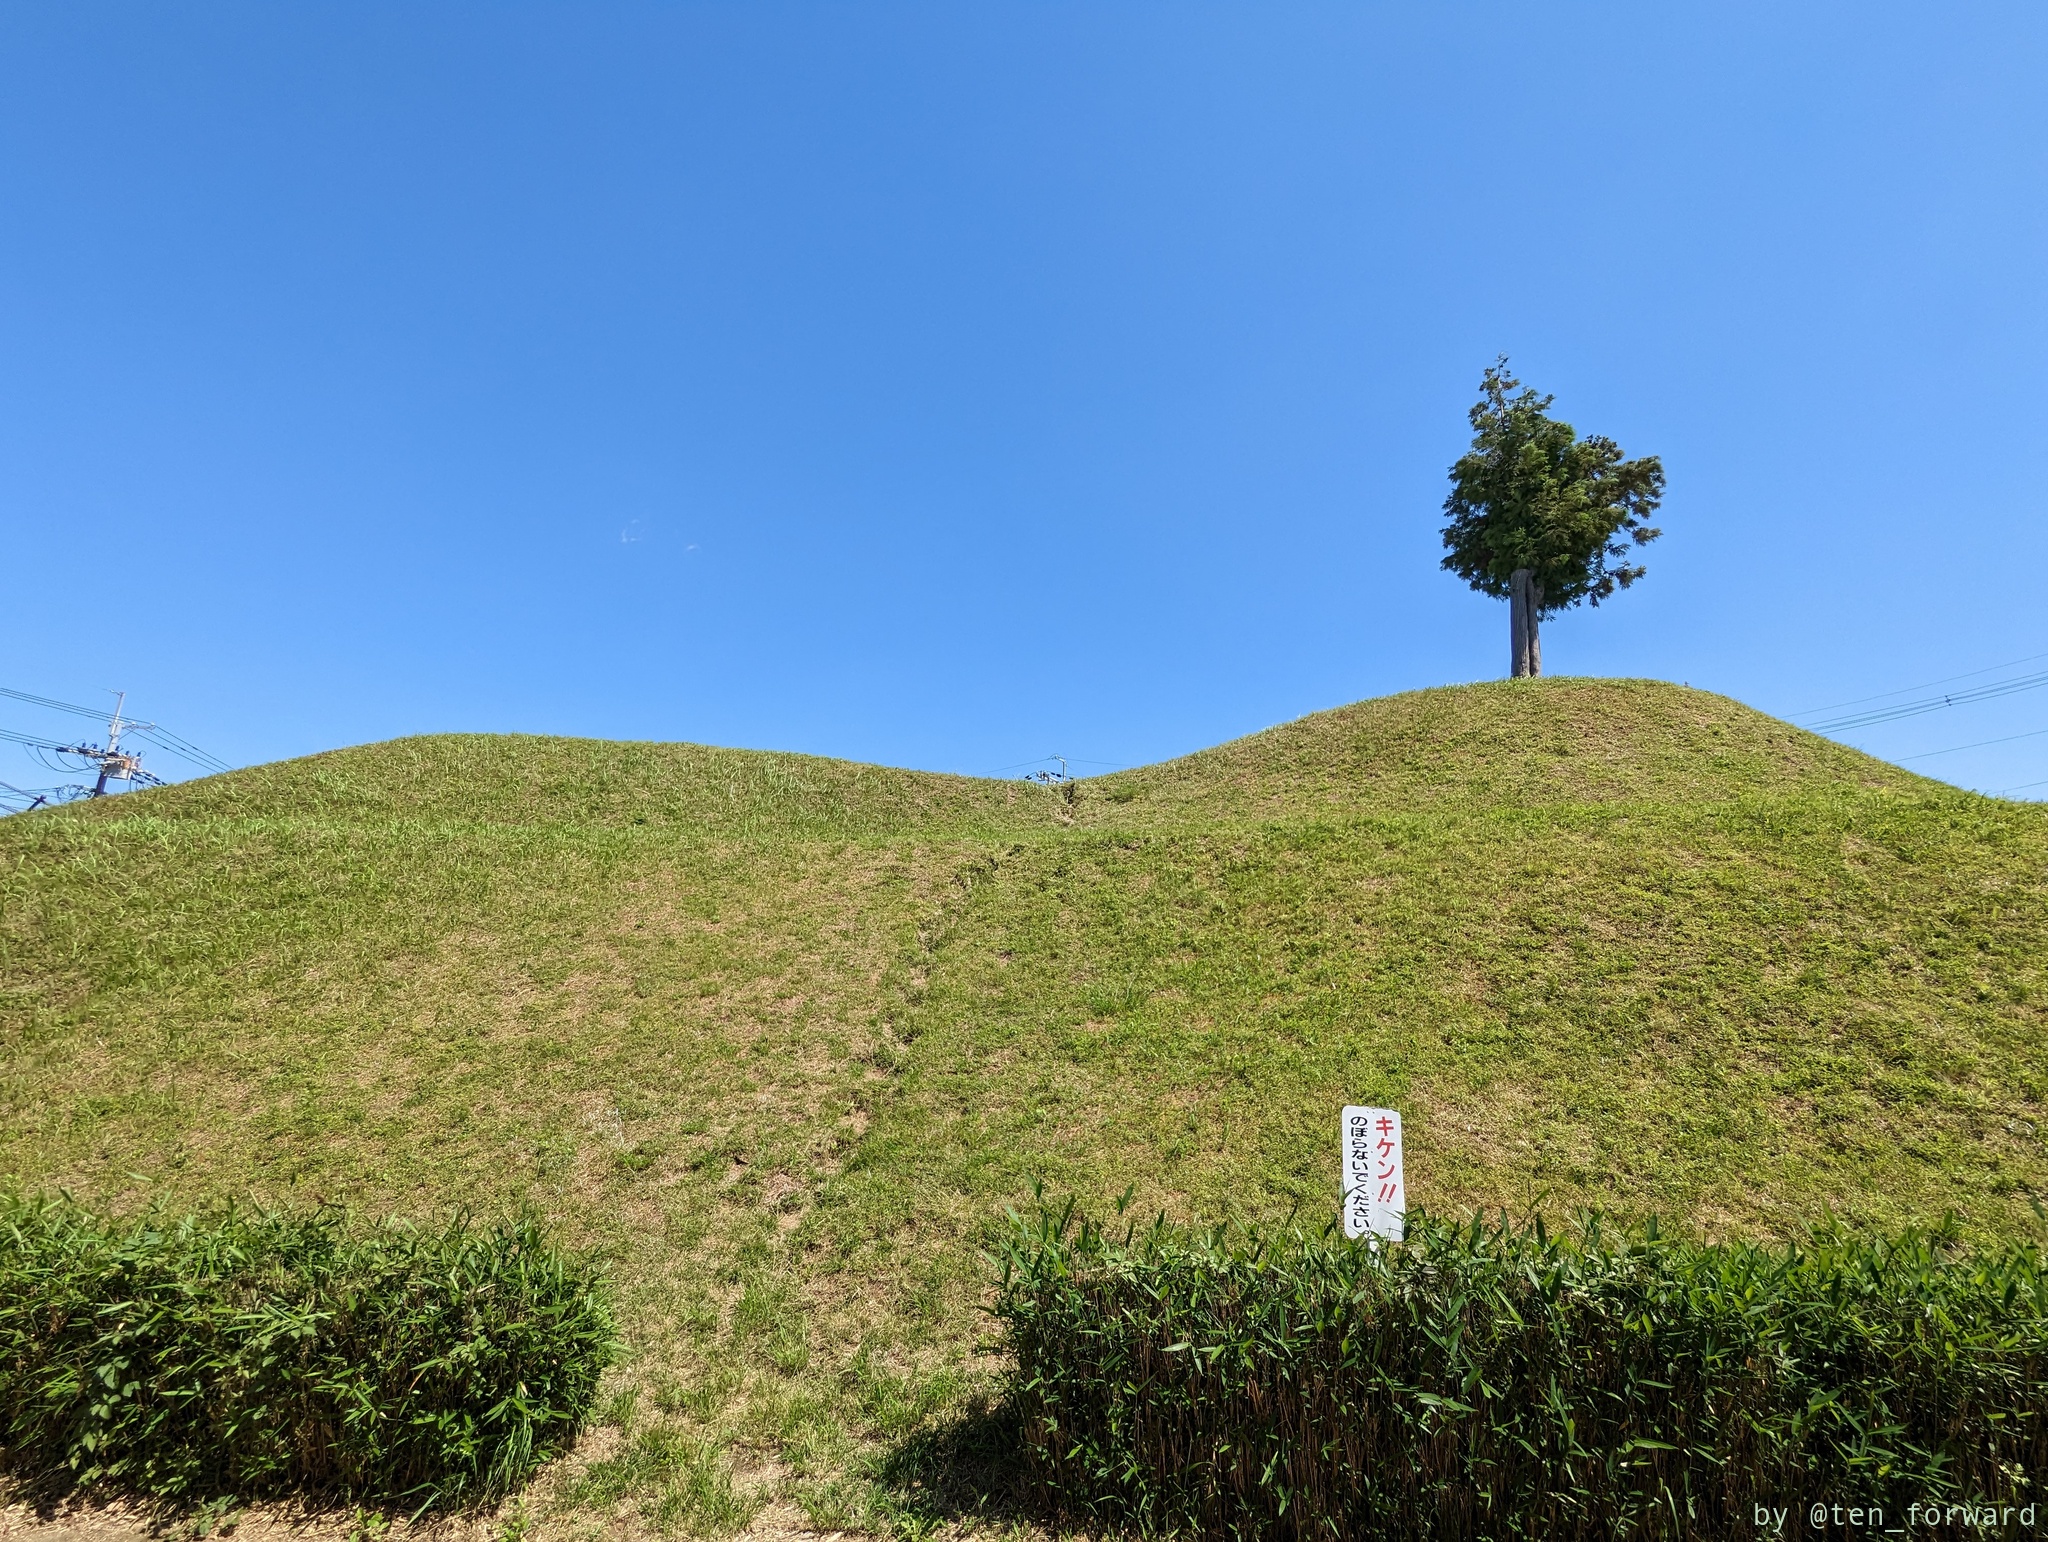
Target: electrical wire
1989,669
34,743
1077,760
186,748
172,744
34,795
1954,748
1932,704
57,706
156,734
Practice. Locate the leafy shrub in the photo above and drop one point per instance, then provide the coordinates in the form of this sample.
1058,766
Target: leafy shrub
248,1352
1485,1381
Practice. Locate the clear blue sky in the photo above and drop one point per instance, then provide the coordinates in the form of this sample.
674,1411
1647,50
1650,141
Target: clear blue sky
945,385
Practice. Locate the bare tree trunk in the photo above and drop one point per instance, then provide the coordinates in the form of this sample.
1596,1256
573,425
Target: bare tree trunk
1534,614
1518,623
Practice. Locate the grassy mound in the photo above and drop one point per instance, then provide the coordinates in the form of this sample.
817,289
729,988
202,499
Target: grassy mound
784,1033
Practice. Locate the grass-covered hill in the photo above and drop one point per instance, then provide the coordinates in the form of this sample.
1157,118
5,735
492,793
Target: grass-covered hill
784,1033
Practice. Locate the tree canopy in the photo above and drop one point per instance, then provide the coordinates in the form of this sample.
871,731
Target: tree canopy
1531,495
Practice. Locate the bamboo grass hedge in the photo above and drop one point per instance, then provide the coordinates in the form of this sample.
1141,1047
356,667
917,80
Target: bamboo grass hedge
1487,1381
250,1352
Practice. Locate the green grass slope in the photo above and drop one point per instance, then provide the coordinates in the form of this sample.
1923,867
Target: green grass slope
784,1033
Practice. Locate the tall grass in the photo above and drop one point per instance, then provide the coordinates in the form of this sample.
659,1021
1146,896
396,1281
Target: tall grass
1486,1381
249,1352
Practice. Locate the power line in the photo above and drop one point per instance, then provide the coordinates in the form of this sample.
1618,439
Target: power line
1079,760
1931,704
35,797
59,706
154,733
1954,748
109,761
34,743
183,750
1989,669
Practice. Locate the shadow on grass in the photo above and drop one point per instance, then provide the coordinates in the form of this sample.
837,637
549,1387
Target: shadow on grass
970,1467
111,1512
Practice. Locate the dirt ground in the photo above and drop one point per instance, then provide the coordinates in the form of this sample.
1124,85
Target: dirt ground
118,1521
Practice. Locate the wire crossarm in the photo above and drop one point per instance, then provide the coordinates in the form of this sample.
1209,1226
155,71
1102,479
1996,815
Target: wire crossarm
105,763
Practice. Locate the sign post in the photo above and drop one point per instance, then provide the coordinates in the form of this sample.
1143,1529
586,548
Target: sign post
1375,1192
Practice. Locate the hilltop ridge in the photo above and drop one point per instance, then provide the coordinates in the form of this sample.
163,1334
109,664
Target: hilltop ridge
1514,743
1500,743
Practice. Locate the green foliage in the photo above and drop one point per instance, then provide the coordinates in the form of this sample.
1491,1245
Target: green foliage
249,1352
1531,494
1489,1381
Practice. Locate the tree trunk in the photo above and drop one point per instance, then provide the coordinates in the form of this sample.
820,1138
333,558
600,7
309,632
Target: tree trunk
1525,613
1518,623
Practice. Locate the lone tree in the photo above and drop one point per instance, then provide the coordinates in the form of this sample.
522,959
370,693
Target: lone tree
1541,517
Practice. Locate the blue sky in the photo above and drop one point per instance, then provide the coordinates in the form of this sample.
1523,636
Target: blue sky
949,385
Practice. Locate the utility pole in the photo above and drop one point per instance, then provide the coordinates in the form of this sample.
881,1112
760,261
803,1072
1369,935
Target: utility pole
110,760
115,763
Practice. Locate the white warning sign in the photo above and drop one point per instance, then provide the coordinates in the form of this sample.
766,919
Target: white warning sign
1375,1193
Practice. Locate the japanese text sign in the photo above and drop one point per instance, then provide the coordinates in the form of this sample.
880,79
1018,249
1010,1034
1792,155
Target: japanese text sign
1375,1193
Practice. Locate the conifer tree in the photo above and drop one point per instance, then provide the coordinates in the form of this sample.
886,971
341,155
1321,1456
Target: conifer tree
1541,517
